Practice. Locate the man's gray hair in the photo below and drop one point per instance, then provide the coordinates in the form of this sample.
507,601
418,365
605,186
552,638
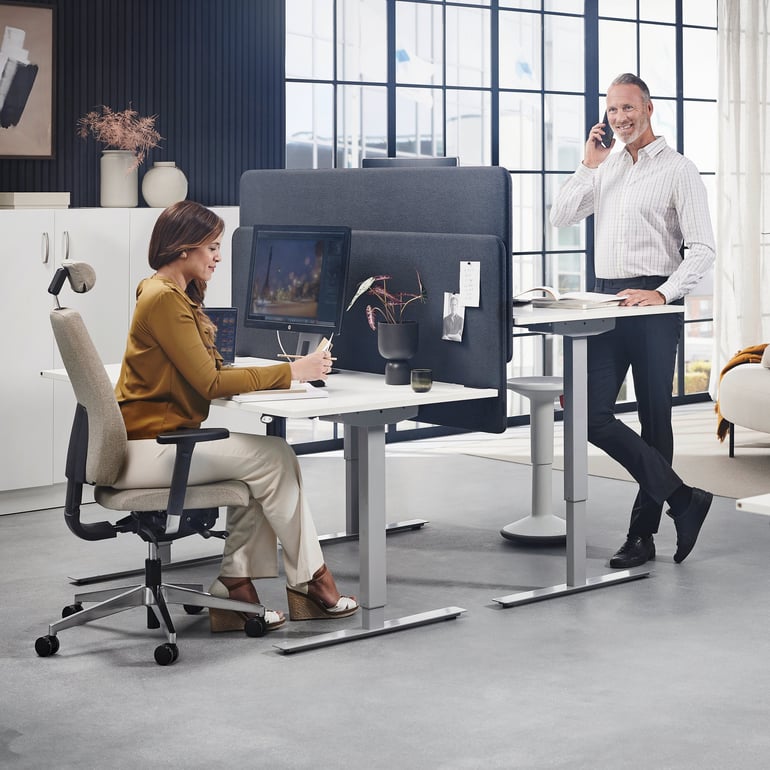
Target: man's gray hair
629,79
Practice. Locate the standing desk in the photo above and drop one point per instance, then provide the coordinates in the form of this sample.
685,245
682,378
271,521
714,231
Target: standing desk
576,326
365,405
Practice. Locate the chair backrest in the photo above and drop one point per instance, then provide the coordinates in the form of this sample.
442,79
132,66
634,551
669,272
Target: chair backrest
107,440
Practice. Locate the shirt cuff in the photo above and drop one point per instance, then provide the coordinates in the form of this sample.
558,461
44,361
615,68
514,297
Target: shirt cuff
667,291
586,173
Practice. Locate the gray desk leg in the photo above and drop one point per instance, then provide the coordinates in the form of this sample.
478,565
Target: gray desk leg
367,437
575,480
352,475
350,451
576,455
370,449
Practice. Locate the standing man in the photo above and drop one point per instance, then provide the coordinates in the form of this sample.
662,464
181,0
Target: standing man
648,201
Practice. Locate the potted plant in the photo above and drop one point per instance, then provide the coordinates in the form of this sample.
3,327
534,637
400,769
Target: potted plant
127,137
397,337
124,130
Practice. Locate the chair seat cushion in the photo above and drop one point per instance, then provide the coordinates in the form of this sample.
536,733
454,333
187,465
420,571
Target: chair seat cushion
201,496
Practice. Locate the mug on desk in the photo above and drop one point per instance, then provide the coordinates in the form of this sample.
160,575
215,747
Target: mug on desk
422,380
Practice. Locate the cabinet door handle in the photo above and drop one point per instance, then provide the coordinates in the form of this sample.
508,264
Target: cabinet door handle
65,244
44,248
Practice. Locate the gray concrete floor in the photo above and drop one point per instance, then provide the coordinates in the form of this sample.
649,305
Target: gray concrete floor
665,672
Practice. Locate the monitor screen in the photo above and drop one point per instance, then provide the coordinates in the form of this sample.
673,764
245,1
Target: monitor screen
297,278
438,160
226,321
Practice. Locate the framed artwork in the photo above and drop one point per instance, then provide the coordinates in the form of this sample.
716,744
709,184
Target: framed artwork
26,80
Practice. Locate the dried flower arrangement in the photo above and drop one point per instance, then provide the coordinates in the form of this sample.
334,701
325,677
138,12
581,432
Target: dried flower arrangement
393,304
124,130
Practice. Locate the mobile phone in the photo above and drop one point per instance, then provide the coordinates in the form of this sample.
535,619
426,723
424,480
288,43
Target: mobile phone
325,344
608,133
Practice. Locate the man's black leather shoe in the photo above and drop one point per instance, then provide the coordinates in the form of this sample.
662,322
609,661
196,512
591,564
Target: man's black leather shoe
689,522
634,552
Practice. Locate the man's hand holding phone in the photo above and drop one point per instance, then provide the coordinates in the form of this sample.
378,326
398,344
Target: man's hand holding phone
600,142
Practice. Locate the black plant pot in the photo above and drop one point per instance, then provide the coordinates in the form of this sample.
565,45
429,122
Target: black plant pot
397,343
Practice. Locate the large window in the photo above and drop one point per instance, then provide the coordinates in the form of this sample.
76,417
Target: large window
515,83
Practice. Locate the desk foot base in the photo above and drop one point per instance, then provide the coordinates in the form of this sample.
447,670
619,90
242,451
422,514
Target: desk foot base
540,594
350,635
398,526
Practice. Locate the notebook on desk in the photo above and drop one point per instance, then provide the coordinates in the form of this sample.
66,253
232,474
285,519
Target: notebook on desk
226,321
298,390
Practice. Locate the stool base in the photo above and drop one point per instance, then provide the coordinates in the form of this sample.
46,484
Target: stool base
546,529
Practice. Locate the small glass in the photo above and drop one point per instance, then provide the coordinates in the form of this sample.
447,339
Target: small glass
422,380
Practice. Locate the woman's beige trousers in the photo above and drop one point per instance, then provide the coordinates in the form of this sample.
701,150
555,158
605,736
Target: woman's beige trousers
277,510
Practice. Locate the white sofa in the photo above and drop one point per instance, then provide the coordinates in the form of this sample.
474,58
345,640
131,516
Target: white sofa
744,397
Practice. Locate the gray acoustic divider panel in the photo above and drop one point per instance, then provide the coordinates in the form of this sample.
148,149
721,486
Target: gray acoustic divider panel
463,200
477,361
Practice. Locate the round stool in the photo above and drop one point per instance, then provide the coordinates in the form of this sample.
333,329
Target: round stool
541,524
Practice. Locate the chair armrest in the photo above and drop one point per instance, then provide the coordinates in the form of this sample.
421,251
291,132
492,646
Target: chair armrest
185,441
193,434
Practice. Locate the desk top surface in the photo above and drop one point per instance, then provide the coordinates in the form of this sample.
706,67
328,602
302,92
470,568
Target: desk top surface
347,393
526,315
756,504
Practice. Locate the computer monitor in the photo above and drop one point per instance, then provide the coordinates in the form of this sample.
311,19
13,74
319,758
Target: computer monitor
438,160
297,281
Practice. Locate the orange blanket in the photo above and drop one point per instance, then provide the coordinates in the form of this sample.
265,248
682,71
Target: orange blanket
750,355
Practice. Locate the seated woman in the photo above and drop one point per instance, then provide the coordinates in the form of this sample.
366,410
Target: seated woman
170,373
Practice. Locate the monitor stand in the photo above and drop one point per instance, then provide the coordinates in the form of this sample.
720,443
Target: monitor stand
308,342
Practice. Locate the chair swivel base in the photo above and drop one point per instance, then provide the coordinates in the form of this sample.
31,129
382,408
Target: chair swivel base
547,529
156,597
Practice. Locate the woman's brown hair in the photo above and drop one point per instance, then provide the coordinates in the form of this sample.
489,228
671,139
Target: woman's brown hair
182,226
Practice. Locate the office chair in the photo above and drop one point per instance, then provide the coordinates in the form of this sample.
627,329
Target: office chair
96,453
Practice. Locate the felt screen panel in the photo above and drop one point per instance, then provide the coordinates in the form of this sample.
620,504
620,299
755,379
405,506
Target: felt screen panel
461,200
477,361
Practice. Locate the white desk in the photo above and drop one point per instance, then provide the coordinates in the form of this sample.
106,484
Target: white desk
364,405
576,326
757,504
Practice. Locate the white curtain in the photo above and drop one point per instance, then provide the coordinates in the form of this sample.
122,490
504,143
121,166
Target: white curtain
742,273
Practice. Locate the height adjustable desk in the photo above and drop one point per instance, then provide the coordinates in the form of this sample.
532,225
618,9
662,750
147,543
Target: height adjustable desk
576,326
365,405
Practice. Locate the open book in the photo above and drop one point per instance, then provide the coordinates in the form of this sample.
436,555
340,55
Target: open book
580,300
296,391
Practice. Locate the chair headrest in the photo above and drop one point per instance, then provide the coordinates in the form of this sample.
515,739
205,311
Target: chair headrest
80,275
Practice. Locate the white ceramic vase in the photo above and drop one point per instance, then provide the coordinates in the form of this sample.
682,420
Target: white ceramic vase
164,184
119,184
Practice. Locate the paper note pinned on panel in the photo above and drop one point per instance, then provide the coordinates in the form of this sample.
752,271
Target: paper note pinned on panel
469,283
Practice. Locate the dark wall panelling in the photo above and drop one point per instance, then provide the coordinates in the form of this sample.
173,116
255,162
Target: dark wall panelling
212,70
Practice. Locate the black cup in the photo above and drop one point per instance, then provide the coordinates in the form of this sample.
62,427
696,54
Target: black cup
422,380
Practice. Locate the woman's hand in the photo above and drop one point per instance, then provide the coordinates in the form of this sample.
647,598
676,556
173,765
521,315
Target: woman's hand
315,366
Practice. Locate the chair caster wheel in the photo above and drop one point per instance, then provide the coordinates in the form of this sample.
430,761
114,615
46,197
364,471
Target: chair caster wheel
166,654
191,609
47,645
71,609
255,627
